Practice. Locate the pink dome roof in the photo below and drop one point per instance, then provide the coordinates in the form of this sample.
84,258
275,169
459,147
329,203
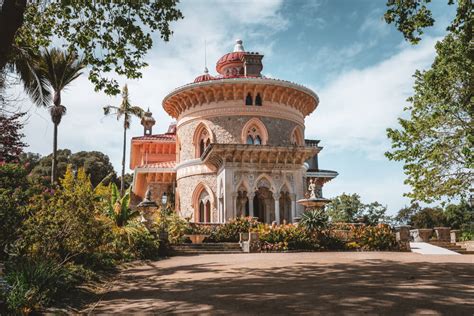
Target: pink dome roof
228,59
204,77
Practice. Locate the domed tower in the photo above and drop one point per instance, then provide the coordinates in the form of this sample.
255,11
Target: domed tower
240,143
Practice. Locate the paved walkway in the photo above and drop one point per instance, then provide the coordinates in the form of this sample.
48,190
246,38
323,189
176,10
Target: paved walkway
425,248
296,283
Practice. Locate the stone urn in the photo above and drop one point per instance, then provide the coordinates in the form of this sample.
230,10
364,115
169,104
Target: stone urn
443,233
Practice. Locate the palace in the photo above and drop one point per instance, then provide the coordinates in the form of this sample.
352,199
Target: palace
237,147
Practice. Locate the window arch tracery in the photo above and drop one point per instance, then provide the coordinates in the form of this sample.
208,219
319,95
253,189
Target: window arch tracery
297,137
254,133
202,139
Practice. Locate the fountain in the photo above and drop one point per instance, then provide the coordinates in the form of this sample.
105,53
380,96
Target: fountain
315,199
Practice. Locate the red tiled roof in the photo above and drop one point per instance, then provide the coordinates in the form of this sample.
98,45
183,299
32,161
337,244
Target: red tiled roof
168,137
164,164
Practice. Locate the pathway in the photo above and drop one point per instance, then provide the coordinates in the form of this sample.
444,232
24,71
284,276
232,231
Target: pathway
303,283
425,248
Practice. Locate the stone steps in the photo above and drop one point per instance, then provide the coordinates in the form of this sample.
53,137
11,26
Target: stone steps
206,248
451,246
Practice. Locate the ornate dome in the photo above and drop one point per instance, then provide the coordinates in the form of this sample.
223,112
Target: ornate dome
204,77
231,64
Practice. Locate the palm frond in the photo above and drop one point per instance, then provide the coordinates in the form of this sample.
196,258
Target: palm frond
108,109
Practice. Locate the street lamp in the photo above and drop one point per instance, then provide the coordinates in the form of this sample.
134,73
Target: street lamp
164,199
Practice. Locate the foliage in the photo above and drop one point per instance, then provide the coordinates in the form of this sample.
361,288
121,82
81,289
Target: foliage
405,214
11,146
134,241
412,16
429,217
127,111
374,213
34,284
379,237
230,231
121,31
95,164
460,215
177,228
286,237
64,225
345,208
435,142
14,197
314,220
118,208
348,208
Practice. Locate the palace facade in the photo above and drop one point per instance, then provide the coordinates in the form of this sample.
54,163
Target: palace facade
238,146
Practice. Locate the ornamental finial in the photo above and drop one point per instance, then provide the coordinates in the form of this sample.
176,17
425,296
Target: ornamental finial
238,47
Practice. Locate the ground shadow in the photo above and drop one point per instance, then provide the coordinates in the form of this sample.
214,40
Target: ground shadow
360,287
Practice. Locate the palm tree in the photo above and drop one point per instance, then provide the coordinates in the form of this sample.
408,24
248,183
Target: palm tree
49,74
126,110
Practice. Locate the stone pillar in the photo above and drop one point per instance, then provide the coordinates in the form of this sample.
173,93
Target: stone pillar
455,236
442,233
293,206
403,233
251,211
234,204
276,197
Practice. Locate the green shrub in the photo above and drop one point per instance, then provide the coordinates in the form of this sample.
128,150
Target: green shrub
380,237
314,220
177,228
230,231
286,237
35,284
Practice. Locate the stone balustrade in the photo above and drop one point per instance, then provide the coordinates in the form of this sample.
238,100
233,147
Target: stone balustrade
443,233
421,235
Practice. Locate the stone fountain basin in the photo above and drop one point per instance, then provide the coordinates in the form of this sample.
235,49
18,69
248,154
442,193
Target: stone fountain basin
317,202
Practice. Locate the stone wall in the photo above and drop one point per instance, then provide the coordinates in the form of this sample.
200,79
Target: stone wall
228,130
186,187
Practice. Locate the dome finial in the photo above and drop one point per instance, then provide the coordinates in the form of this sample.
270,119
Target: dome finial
238,47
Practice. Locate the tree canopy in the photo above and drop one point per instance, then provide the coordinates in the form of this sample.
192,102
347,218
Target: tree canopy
111,36
435,142
96,164
348,208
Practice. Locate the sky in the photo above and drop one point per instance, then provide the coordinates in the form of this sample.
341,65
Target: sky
360,67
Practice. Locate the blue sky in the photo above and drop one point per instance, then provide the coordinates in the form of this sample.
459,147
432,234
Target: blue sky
342,49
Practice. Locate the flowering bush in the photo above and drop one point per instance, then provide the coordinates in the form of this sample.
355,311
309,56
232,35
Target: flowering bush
230,231
286,237
378,237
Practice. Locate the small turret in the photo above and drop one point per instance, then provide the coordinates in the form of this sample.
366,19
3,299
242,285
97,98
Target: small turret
147,121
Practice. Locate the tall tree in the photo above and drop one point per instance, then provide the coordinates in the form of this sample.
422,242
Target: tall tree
435,142
57,69
127,110
120,30
345,208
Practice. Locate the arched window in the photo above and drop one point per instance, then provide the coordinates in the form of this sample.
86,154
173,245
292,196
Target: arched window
202,139
201,211
253,136
254,133
258,100
297,137
248,99
257,140
249,140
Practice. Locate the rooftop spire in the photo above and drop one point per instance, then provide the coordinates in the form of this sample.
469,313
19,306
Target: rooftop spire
238,47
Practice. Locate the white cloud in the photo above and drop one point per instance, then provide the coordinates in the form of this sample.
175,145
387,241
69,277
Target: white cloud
358,105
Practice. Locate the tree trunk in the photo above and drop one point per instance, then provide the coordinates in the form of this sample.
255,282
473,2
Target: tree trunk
55,149
122,180
11,19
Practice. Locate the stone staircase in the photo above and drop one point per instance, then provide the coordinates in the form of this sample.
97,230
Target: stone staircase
451,246
206,248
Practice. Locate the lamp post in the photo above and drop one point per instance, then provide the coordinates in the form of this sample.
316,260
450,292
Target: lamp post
146,207
163,228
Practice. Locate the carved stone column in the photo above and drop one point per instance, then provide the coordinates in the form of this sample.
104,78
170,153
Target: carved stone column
251,211
234,204
293,206
276,197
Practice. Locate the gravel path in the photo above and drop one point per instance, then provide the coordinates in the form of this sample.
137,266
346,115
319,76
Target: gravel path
296,283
